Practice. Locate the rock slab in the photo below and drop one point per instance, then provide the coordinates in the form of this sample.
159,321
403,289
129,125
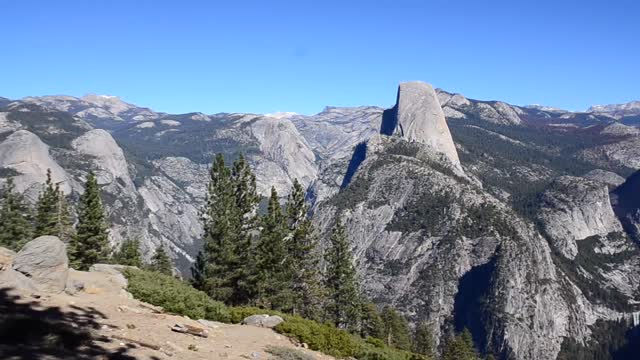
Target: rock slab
44,262
267,321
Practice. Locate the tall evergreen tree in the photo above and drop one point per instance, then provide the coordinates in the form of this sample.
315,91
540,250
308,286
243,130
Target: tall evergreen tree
217,266
423,340
344,300
90,244
461,348
15,218
247,201
63,224
302,256
271,259
396,329
161,262
53,215
46,208
129,253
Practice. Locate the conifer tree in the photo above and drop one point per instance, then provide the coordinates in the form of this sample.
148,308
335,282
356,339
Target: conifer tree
271,258
129,253
344,300
218,261
396,329
302,256
372,324
422,340
90,244
63,224
461,348
246,201
15,218
46,208
161,262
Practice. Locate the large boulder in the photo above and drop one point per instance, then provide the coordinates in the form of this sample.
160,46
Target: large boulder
114,272
43,261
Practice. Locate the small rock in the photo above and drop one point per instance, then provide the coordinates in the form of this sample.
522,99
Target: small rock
267,321
304,345
131,326
174,347
125,308
255,355
211,324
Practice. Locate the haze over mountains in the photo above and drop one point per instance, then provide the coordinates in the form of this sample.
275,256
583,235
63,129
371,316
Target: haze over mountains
514,222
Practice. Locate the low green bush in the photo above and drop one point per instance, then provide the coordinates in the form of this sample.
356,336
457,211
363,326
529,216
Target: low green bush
174,295
181,298
320,337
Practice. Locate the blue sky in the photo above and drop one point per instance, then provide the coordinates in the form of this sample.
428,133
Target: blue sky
266,56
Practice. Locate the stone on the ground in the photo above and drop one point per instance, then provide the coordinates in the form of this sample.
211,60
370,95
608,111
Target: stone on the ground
114,270
211,324
268,321
43,261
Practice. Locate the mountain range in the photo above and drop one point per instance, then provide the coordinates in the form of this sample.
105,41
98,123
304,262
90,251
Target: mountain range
520,223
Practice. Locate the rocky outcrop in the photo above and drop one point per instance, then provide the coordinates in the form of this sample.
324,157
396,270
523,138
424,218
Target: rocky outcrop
25,153
573,209
109,159
611,179
42,265
284,155
417,116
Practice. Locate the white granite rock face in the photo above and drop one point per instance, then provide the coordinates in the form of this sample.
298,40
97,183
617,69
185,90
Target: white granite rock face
25,153
574,209
109,158
420,118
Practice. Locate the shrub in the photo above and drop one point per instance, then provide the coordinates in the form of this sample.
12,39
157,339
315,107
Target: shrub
174,295
320,337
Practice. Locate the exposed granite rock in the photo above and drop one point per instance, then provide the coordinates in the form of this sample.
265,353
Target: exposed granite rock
44,264
611,179
418,117
25,153
573,209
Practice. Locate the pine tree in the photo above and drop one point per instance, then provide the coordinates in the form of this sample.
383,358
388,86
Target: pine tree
161,262
271,258
302,256
422,340
461,348
218,261
129,253
246,201
396,329
63,224
90,244
15,218
344,300
372,324
46,208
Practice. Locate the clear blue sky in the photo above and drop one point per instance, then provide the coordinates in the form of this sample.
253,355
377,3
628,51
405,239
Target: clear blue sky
265,56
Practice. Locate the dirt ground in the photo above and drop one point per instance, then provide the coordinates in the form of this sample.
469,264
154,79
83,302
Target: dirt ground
105,310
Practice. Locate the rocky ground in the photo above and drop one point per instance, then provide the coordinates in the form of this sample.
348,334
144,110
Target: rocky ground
96,318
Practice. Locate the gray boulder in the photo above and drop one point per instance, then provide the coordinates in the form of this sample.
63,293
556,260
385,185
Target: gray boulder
43,261
267,321
114,270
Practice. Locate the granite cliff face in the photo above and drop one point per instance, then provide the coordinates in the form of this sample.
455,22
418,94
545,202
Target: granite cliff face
417,116
461,212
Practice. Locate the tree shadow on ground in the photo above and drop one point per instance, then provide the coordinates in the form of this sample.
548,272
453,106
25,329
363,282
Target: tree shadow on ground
30,330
